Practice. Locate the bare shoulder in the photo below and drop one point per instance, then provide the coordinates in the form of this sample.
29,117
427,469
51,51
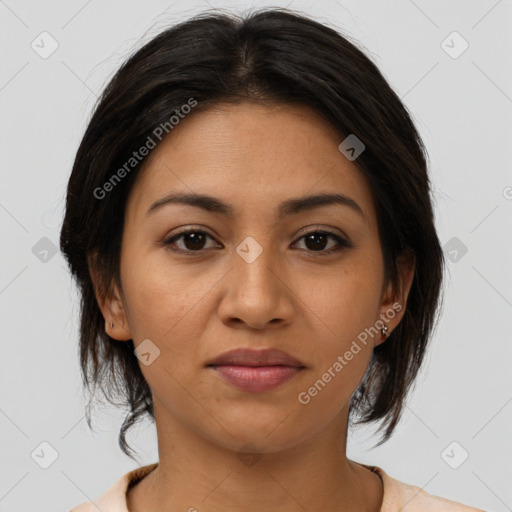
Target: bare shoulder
404,497
425,502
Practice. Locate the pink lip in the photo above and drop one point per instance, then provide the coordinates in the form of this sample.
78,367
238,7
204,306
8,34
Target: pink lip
256,379
251,357
256,370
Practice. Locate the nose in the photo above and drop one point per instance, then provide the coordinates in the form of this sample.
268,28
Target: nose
256,294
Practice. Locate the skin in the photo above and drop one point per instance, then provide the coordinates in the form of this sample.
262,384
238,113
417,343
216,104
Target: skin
291,297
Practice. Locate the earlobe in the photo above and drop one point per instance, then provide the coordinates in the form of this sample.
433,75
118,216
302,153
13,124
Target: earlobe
117,331
115,316
111,305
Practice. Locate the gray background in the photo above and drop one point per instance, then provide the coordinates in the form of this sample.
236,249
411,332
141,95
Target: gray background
463,109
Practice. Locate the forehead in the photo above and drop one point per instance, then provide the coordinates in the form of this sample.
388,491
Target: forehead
252,157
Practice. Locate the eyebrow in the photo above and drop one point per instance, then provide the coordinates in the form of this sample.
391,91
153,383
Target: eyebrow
289,207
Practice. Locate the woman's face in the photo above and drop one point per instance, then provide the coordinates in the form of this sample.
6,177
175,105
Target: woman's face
249,277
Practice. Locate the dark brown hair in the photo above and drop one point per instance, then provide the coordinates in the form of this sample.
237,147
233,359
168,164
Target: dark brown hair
275,56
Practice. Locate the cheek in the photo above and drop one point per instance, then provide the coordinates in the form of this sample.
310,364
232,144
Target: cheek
165,304
347,302
340,363
348,306
157,295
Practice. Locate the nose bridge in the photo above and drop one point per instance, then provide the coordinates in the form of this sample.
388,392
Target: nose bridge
254,263
255,294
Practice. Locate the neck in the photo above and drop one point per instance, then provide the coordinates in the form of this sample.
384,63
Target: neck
195,474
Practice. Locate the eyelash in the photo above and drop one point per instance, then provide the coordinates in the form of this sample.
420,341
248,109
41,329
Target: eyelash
342,243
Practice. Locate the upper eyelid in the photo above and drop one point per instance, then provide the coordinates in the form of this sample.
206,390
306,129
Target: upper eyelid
312,228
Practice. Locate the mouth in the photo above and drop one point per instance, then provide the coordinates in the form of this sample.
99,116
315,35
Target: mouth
256,371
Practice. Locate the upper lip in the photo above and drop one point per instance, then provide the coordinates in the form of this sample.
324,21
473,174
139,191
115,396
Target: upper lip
251,357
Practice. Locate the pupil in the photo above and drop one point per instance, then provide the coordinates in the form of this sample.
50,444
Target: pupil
194,240
316,236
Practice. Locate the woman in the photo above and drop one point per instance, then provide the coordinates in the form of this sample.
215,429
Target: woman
250,224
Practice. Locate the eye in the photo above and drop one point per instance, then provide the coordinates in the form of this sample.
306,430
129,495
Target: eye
316,241
194,241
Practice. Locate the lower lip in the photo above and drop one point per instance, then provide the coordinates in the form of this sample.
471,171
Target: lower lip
256,379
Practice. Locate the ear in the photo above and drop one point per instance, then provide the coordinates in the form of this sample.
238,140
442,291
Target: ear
110,303
394,298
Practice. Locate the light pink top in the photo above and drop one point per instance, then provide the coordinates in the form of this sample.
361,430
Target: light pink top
398,496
